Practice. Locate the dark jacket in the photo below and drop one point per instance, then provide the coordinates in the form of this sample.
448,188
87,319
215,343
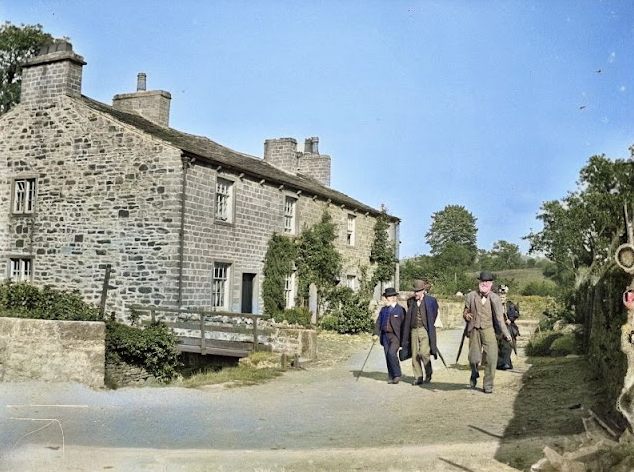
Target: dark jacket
395,318
431,310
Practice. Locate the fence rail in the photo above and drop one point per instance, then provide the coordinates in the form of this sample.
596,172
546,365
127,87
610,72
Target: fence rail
186,320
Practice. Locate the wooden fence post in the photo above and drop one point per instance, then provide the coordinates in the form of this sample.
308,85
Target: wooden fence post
202,333
104,291
255,334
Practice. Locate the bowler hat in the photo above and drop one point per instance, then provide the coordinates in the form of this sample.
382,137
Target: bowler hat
389,292
419,285
485,276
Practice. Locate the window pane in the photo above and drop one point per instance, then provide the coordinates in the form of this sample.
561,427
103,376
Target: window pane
223,199
24,196
219,285
289,215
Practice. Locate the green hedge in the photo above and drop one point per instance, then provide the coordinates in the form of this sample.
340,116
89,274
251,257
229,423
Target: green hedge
22,300
600,308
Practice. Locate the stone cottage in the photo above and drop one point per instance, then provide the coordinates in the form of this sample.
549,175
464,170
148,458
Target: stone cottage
181,220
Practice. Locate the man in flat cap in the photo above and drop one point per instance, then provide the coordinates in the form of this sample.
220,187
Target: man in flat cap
484,315
420,332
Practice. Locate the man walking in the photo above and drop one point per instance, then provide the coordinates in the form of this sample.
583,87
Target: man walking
484,315
511,313
420,332
389,326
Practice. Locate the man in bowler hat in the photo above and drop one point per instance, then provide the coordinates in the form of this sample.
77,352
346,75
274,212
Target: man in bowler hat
484,315
420,332
389,327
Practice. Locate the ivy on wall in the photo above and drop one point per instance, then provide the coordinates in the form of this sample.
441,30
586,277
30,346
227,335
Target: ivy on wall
279,262
318,261
383,252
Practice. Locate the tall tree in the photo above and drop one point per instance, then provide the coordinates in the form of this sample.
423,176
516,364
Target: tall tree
582,230
506,255
17,44
454,224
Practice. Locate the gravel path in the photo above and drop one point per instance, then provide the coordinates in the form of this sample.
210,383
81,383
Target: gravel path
320,418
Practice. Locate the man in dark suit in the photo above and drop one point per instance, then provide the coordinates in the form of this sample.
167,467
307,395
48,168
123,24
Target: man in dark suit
389,327
420,330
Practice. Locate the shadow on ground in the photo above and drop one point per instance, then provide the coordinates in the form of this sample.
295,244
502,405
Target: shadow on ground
556,395
408,379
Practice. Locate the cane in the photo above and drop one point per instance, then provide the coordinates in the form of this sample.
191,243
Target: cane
366,359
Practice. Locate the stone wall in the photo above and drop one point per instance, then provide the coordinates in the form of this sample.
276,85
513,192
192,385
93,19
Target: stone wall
52,351
106,194
242,241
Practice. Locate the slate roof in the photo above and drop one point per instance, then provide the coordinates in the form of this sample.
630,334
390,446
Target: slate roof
207,150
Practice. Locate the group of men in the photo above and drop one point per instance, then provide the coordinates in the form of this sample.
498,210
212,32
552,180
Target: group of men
489,325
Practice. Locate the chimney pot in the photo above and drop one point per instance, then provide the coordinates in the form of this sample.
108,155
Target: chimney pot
141,82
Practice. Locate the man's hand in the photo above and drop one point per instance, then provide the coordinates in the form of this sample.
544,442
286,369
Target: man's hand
467,316
508,338
375,337
508,322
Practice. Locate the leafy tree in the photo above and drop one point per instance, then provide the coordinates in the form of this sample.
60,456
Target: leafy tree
418,267
503,255
17,44
582,230
318,261
454,224
382,253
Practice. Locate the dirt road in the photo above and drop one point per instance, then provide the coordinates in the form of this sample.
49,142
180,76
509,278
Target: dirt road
320,418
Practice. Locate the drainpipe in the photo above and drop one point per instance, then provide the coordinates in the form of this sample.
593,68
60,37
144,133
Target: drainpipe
187,162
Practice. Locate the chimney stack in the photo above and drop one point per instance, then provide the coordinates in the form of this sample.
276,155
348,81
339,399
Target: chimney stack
153,105
55,71
141,82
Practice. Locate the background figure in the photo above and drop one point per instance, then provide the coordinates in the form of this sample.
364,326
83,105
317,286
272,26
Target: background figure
484,315
389,327
420,332
506,348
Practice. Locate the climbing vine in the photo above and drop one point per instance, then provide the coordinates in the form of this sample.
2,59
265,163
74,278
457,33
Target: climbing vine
318,261
382,253
278,264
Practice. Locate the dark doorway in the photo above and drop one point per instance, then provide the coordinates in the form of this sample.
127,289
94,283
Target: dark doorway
247,292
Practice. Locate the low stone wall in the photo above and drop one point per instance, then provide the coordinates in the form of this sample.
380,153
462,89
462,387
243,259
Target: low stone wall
449,311
52,351
122,375
291,341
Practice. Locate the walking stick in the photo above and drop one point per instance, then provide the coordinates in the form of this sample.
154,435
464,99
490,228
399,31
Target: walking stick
366,360
442,358
464,335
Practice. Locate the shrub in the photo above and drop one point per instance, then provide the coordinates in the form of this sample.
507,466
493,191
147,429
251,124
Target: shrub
540,344
153,348
564,345
348,312
299,315
23,300
544,288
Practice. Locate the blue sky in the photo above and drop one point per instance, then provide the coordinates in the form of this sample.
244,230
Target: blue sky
493,104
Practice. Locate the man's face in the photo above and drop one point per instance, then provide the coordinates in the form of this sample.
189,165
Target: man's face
419,294
485,286
390,299
503,297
